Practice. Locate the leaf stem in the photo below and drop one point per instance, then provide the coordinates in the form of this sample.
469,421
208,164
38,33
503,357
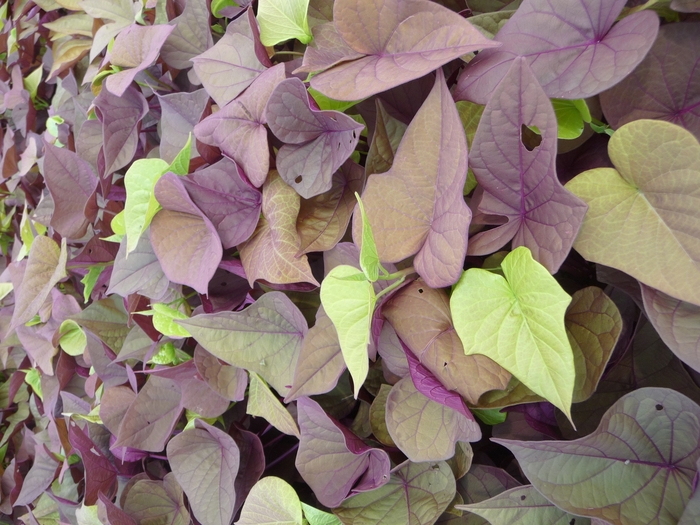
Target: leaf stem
391,287
397,275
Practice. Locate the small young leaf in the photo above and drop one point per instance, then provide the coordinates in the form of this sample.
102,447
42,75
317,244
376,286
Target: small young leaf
164,321
318,517
141,204
282,20
369,258
571,116
73,340
90,280
181,163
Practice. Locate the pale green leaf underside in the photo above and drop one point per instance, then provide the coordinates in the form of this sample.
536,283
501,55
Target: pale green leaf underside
263,403
282,20
369,258
349,303
518,321
272,501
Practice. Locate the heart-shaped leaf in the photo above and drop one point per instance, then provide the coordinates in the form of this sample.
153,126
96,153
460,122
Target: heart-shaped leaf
568,64
518,321
282,20
519,181
152,501
638,466
654,188
416,208
272,501
191,35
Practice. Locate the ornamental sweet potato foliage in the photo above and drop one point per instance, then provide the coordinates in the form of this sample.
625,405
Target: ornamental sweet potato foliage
360,262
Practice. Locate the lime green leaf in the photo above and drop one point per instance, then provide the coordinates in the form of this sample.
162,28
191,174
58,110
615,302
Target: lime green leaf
518,321
271,501
33,378
327,103
349,300
73,340
141,204
181,163
282,20
32,81
490,416
263,403
118,224
90,280
318,517
369,258
165,355
164,321
218,5
27,231
571,116
5,289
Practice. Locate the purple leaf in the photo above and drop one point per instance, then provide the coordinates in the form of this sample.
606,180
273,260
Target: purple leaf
157,502
140,273
39,477
252,463
381,45
665,86
136,47
72,185
120,116
184,240
107,319
110,514
205,462
519,181
317,143
238,129
417,206
114,404
191,36
227,199
100,474
110,372
228,381
686,6
425,430
572,47
332,460
639,464
231,65
180,112
677,322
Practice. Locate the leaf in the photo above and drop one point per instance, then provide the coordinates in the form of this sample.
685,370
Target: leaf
184,240
228,200
228,381
157,502
388,132
265,338
333,461
572,115
677,322
349,299
369,259
654,190
323,219
692,511
416,494
572,47
518,321
686,6
180,112
638,466
522,505
384,45
46,266
238,129
318,517
424,429
263,403
205,461
72,185
520,182
316,142
272,501
120,12
320,360
100,474
191,35
72,338
231,65
377,417
136,47
417,206
164,321
139,273
282,20
38,478
663,86
422,320
270,254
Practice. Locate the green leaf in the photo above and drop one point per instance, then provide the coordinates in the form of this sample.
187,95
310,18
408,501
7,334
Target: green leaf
218,5
318,517
643,217
32,81
181,163
73,339
5,289
33,378
350,305
164,321
369,258
118,224
28,230
271,501
518,321
571,116
490,416
282,20
141,204
90,280
263,403
166,355
327,103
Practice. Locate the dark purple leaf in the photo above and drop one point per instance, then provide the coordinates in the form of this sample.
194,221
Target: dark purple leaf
72,185
191,36
39,477
100,474
573,48
109,514
332,460
378,46
183,238
238,129
317,143
665,86
252,463
205,461
520,182
227,199
140,272
180,112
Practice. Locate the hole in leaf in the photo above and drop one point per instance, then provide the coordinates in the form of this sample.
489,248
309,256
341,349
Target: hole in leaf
572,521
529,138
298,179
354,134
659,407
522,498
444,365
224,283
420,290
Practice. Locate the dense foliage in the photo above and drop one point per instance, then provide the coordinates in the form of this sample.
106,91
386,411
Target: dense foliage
355,261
